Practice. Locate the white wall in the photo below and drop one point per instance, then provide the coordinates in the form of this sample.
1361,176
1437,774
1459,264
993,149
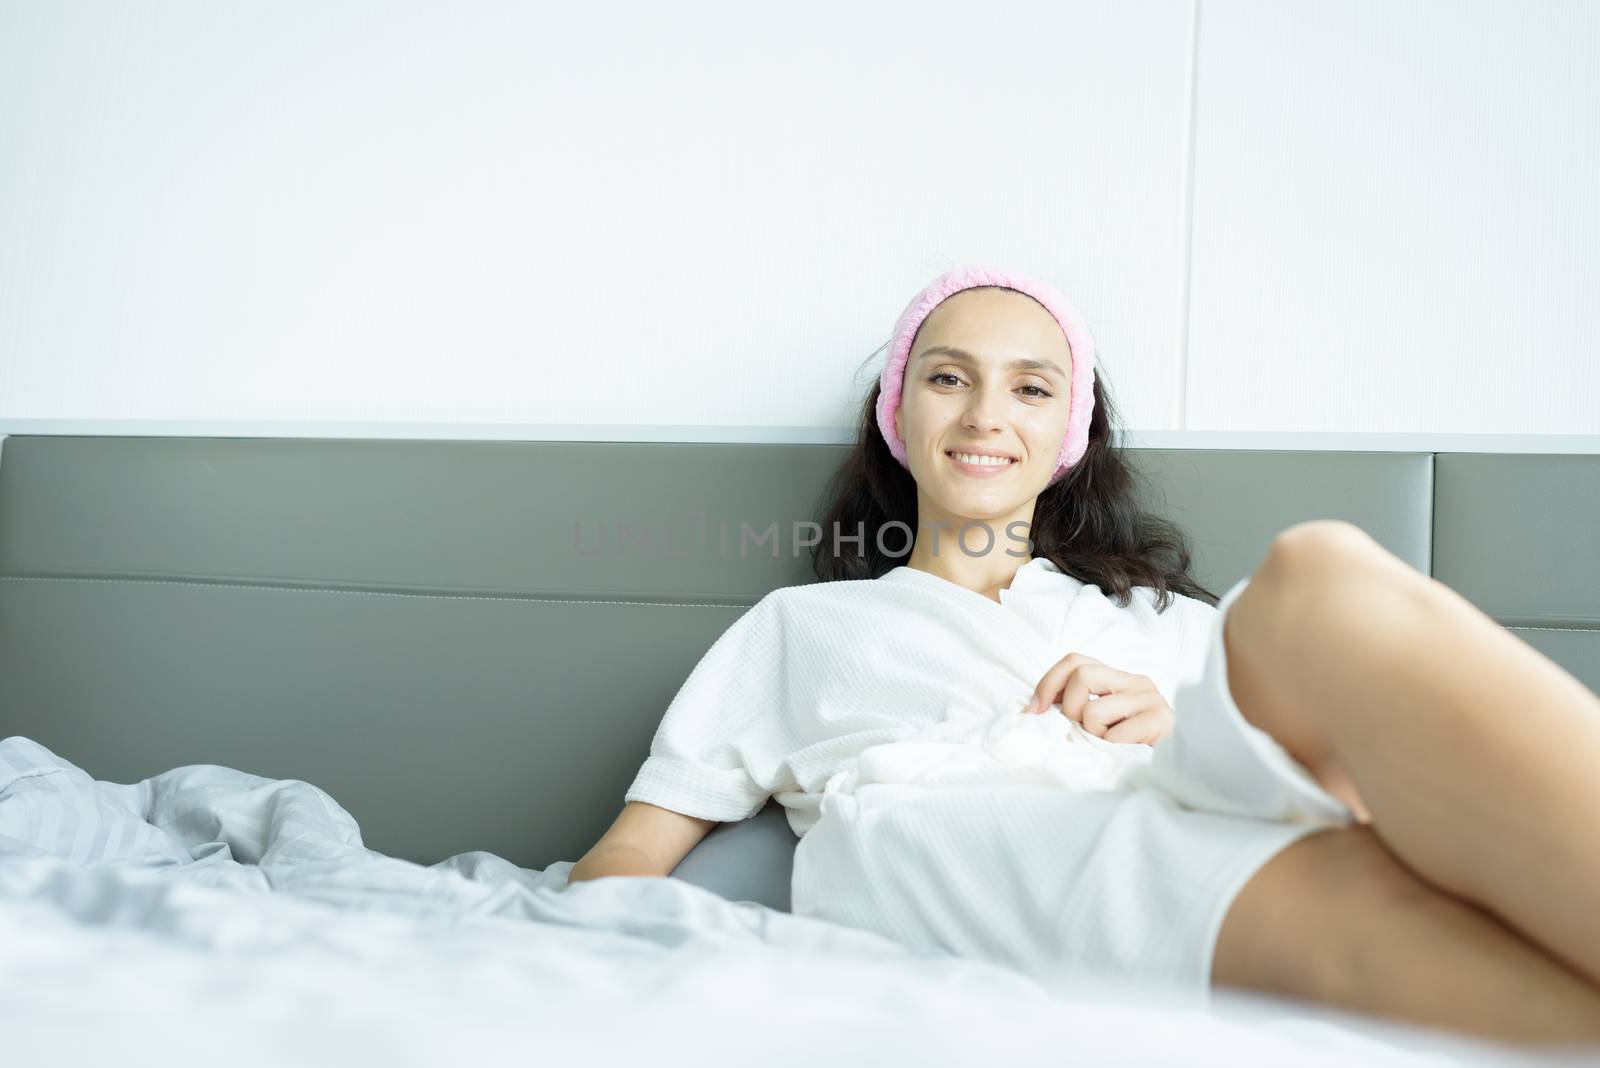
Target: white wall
1362,216
1396,217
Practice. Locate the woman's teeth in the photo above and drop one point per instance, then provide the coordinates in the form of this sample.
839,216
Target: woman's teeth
986,461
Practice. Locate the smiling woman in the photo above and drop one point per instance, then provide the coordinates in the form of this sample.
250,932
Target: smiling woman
971,432
1134,825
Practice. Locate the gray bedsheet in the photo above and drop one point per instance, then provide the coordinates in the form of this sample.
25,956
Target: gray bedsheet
164,920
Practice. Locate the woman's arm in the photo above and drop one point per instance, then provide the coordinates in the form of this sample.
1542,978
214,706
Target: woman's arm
613,860
645,840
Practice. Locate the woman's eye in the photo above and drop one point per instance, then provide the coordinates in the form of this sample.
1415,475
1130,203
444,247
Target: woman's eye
1037,393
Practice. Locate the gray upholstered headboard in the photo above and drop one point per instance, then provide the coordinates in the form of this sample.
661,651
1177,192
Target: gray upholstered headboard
434,633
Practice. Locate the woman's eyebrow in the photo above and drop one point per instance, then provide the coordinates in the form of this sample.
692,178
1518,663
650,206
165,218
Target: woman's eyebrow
1015,365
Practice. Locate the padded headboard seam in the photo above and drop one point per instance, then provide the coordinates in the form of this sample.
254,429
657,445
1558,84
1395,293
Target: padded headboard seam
1561,630
1433,513
1585,627
289,587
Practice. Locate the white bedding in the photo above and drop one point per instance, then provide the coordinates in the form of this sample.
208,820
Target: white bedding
209,916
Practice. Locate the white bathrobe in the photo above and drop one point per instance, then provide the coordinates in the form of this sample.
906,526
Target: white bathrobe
886,717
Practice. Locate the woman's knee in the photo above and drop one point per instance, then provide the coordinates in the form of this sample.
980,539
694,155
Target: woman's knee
1322,599
1320,558
1301,557
1305,567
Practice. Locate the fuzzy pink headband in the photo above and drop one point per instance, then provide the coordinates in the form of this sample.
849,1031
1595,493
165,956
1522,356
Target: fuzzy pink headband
892,379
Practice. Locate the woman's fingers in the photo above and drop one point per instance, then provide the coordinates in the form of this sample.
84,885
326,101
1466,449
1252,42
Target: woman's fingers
1100,714
1092,679
1070,682
1102,699
1149,726
1048,691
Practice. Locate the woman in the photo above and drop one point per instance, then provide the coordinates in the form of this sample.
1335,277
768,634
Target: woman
1342,782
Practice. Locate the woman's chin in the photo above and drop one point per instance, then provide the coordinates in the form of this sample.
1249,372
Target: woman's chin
980,505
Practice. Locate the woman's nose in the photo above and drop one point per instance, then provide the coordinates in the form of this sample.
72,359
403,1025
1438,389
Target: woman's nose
984,411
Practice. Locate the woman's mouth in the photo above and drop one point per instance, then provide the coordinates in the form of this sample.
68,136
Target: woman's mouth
975,465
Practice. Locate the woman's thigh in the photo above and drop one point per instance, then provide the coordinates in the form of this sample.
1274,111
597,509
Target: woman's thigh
1289,931
1336,917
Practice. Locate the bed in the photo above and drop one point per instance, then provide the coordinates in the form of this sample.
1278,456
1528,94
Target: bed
302,735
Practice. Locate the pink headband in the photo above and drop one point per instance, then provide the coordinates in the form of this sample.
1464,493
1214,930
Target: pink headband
892,379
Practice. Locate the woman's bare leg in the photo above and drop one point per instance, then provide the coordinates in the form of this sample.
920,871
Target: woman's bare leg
1477,756
1337,918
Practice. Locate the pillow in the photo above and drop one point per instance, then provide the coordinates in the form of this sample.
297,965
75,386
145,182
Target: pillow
750,860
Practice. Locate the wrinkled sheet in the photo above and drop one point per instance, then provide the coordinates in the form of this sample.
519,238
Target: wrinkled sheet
208,915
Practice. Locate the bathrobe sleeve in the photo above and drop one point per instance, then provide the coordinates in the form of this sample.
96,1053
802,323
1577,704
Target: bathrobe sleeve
719,749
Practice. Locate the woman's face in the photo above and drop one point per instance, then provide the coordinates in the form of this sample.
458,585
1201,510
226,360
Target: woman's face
962,393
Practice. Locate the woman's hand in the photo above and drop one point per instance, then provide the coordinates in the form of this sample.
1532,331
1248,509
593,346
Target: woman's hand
1126,708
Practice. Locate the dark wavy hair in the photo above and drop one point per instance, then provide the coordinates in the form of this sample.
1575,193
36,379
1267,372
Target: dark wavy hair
1088,524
